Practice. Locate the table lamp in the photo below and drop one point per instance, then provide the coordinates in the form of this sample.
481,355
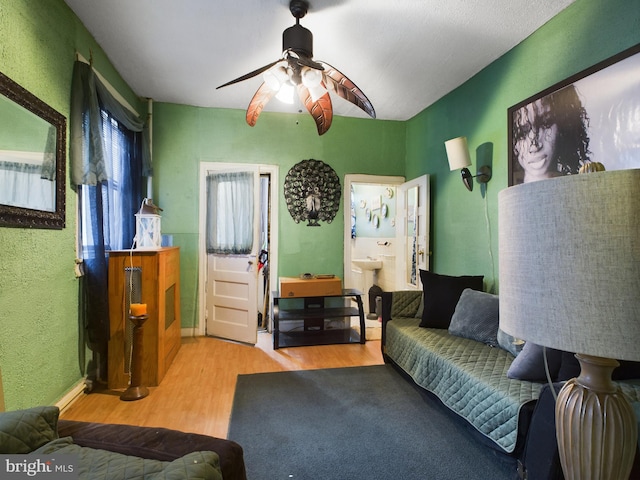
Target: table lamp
570,280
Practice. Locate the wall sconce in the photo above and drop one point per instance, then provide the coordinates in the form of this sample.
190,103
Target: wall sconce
458,155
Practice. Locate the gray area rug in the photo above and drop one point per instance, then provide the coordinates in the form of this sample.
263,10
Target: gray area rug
351,424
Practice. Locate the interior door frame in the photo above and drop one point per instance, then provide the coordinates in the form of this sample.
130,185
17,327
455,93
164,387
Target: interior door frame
207,166
349,180
423,225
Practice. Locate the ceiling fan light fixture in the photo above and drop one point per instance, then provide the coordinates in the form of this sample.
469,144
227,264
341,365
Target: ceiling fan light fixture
298,39
271,80
275,77
297,72
317,92
311,77
286,93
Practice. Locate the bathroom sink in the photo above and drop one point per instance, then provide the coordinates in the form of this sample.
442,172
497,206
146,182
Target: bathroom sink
367,263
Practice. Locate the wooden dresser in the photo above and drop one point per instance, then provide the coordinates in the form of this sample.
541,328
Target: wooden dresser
151,277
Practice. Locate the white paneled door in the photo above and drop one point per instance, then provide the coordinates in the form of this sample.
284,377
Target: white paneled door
232,303
232,277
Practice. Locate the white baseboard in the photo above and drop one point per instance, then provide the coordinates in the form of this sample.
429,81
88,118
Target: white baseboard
71,396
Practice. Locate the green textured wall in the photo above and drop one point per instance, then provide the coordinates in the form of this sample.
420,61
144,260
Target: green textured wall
38,291
39,351
584,34
184,136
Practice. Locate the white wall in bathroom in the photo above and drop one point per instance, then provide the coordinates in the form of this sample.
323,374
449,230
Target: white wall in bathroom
387,275
374,209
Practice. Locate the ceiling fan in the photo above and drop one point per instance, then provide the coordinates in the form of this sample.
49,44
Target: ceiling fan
297,71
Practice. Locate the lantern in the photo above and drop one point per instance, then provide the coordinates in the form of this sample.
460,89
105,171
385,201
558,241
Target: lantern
148,234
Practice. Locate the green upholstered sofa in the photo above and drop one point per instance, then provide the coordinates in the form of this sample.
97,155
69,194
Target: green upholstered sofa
109,451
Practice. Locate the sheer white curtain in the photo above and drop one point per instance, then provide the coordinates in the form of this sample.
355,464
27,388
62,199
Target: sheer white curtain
24,186
230,198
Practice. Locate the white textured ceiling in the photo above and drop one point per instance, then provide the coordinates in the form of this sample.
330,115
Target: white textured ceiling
404,54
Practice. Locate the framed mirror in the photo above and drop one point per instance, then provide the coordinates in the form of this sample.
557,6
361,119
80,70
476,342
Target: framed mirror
32,160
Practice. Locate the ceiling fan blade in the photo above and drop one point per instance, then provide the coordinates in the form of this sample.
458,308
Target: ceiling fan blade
250,74
321,110
345,88
259,100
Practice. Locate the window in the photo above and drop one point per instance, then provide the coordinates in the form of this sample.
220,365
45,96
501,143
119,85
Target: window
107,210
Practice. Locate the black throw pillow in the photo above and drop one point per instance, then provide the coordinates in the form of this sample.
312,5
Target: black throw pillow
570,368
627,370
441,295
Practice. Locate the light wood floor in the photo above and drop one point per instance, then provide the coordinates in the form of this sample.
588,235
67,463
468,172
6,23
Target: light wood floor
196,395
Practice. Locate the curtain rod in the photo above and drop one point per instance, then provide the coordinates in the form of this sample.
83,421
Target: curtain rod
110,87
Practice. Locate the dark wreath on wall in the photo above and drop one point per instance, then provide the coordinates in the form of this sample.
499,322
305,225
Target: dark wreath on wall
312,192
591,117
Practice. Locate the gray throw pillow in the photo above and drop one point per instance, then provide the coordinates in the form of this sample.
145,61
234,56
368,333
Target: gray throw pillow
509,343
476,317
529,364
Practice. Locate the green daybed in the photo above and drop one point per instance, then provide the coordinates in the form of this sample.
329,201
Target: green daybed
462,358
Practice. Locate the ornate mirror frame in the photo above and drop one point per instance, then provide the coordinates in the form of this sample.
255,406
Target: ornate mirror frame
11,216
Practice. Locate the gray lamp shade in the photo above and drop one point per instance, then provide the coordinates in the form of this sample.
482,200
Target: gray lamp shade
570,263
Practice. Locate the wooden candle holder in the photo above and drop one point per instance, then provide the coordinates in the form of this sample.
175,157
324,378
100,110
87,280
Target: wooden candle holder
136,390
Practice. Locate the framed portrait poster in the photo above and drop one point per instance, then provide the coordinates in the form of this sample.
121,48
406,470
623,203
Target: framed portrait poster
593,116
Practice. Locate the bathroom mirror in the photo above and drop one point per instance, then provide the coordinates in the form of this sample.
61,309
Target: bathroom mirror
32,160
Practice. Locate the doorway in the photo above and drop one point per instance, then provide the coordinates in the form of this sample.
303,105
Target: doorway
365,197
369,236
386,236
233,289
